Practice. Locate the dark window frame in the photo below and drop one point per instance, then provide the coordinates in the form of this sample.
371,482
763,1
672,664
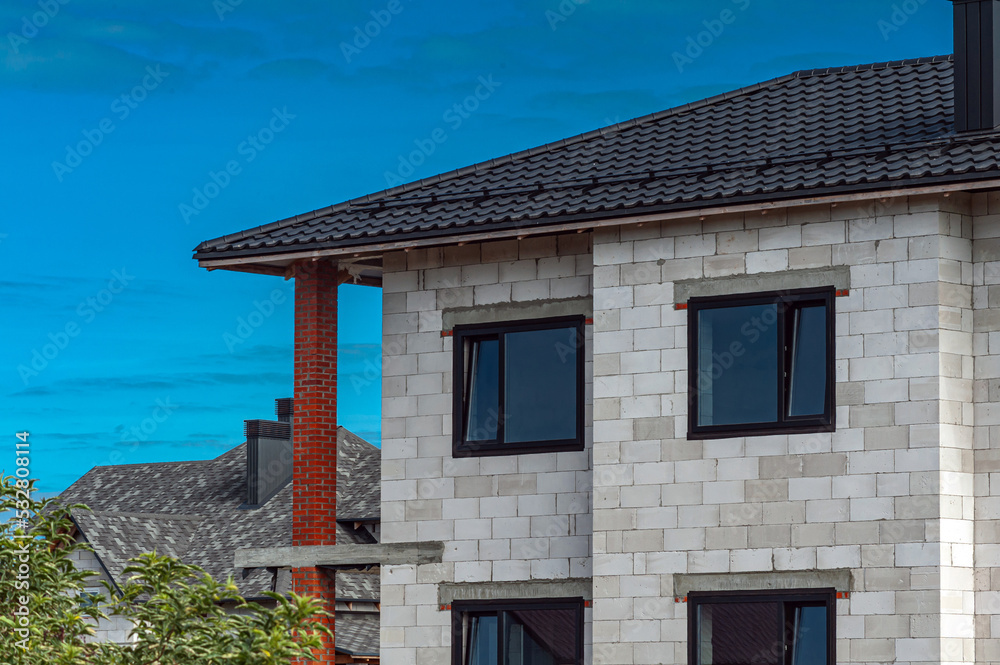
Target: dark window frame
463,334
784,424
461,608
812,597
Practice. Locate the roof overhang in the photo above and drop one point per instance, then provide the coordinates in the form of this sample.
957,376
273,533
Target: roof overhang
363,260
365,271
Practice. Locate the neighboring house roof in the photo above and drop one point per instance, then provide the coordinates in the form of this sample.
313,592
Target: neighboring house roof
358,586
816,132
359,496
191,510
357,634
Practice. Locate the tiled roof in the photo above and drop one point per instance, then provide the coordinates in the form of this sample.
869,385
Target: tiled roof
357,586
191,510
358,633
359,494
816,132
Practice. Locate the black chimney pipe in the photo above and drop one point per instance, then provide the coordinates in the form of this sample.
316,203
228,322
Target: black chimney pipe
977,75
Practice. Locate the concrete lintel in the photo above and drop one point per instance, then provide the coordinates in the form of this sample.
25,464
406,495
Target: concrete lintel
839,277
517,311
340,555
839,579
567,588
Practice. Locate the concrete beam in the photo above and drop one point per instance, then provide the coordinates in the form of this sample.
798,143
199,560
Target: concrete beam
567,588
839,277
800,579
340,555
517,311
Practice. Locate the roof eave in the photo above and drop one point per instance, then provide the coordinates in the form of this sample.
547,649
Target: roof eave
272,259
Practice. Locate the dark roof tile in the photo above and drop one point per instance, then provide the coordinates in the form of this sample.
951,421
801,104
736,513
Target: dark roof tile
812,131
358,633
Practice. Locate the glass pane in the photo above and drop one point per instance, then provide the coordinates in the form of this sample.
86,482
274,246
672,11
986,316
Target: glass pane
540,637
737,377
740,634
809,641
540,377
807,392
482,646
484,391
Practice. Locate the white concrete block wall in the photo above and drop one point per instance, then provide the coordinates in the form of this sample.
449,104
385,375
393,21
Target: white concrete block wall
115,629
889,495
509,518
986,390
904,493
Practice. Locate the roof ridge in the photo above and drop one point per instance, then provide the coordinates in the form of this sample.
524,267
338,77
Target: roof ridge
889,64
134,464
496,161
215,460
101,467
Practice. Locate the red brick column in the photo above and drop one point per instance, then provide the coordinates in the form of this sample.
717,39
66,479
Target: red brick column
315,582
314,432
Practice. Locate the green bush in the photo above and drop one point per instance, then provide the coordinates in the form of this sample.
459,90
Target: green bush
178,612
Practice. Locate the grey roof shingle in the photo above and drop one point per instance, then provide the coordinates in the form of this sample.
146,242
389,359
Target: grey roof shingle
870,127
358,586
359,483
191,510
358,633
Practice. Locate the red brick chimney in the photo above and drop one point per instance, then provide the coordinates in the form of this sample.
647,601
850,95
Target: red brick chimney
314,431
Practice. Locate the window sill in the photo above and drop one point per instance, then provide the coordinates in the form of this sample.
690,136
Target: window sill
767,430
528,448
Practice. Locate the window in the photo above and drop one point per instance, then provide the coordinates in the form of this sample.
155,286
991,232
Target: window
761,364
91,596
762,628
524,632
519,387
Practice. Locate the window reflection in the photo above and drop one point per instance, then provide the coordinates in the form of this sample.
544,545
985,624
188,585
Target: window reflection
519,386
540,396
807,391
758,630
484,390
535,633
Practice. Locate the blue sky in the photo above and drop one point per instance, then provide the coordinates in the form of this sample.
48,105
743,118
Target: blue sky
120,122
